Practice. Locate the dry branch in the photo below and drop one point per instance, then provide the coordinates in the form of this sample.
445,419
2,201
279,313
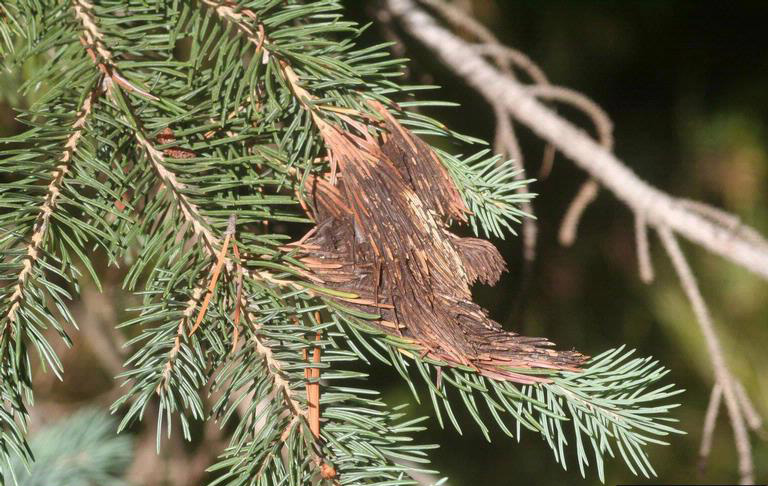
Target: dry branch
714,229
710,419
658,207
723,375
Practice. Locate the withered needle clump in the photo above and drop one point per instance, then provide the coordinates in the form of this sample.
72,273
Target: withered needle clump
382,233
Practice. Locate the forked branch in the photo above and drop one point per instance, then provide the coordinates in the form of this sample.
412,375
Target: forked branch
724,380
714,229
658,207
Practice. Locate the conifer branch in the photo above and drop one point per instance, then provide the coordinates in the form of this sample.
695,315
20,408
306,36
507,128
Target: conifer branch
275,369
237,17
23,323
180,331
190,211
52,193
102,57
235,14
80,449
270,97
93,40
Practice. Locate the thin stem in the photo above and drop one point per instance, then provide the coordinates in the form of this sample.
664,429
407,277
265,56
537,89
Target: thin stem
658,207
505,143
600,119
517,58
643,249
716,355
50,202
570,225
754,420
604,128
708,430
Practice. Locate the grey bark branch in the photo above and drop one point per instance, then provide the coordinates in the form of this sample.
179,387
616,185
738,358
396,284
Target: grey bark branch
657,207
710,421
723,377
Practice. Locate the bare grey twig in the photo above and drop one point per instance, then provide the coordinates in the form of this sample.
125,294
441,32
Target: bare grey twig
570,225
714,229
461,19
644,264
658,207
516,58
723,377
710,419
505,143
754,420
600,119
506,57
604,128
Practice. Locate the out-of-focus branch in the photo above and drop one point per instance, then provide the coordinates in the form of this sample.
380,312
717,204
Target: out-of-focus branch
754,420
505,142
723,377
505,138
710,419
644,264
507,58
604,128
714,229
657,207
570,225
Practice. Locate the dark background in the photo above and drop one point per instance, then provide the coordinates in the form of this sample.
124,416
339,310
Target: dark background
685,85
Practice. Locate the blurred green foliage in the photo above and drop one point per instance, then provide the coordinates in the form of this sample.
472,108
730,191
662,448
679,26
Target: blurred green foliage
80,450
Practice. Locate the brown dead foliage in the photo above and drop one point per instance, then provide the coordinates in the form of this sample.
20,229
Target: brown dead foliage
166,136
382,233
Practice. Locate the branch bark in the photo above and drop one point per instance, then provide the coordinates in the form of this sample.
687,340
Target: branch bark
657,207
723,377
714,229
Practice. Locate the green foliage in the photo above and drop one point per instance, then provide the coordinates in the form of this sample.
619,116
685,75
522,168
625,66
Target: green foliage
245,137
489,189
605,406
9,27
81,450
